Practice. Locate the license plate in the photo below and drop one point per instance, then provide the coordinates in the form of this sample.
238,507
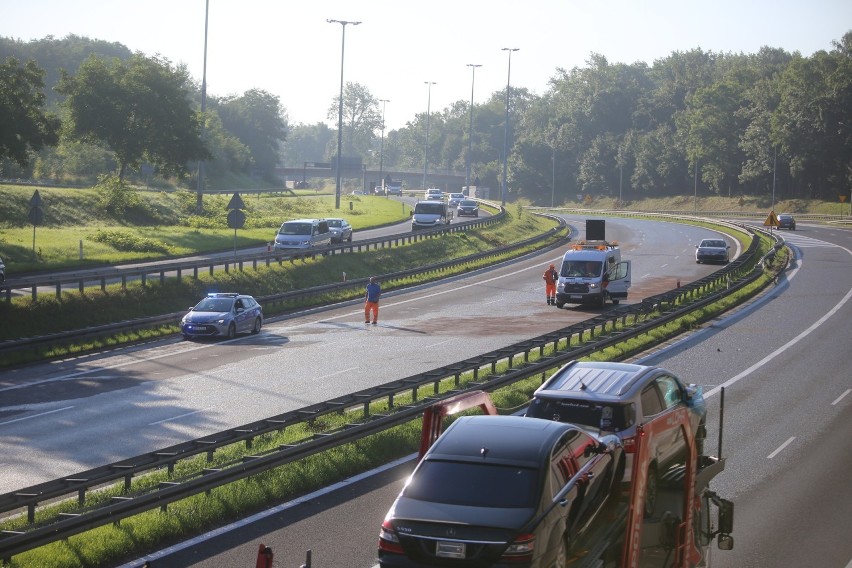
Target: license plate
576,297
450,549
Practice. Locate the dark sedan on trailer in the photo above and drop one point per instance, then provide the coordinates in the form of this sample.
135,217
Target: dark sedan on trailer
500,491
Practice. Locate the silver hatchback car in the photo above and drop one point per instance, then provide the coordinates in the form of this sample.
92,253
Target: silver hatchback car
614,398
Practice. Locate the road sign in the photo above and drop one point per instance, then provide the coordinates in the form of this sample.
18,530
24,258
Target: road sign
236,219
236,202
772,220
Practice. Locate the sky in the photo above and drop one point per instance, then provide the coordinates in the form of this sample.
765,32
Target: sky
289,49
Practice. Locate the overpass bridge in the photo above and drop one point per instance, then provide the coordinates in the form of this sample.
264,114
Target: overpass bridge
445,180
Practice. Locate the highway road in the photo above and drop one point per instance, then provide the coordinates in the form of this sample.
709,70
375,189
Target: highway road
783,363
60,418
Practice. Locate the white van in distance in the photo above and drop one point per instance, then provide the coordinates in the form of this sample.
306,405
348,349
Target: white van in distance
592,272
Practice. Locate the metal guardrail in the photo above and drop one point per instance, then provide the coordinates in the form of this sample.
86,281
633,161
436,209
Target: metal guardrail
99,277
96,332
666,307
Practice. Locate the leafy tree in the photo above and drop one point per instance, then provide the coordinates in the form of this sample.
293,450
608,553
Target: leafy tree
138,108
362,117
258,120
24,126
307,143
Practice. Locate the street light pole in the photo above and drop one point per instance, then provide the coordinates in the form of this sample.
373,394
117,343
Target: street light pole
382,149
200,190
428,114
504,188
473,67
340,109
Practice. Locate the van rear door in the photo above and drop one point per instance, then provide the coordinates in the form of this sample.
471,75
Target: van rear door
619,280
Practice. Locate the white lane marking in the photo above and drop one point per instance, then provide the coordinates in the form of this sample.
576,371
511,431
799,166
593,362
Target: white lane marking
790,343
781,447
35,415
439,343
841,397
264,514
179,416
340,372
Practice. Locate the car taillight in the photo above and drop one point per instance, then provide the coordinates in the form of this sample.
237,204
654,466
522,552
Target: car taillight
629,444
388,539
521,549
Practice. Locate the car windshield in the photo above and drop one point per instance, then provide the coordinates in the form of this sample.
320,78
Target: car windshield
295,229
714,244
456,195
584,268
467,203
590,413
429,208
474,484
335,222
214,305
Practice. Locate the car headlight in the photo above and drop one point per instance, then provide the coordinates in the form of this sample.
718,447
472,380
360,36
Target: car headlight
593,285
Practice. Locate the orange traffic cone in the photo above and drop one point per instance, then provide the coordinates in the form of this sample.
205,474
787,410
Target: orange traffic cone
264,557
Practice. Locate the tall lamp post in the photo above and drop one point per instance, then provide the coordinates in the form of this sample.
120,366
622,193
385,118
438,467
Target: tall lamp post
340,109
200,190
428,115
504,188
382,149
473,67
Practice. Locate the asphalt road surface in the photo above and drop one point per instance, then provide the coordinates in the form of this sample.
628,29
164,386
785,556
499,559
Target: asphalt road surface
788,420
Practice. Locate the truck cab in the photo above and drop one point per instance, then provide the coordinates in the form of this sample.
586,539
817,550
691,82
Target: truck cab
592,272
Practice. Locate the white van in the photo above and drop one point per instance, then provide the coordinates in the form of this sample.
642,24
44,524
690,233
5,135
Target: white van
303,234
430,214
591,272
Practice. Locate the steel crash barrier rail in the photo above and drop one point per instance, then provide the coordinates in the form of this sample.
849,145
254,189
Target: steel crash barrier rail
102,276
97,332
589,336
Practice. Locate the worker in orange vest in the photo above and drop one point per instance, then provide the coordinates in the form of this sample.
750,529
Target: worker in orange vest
550,277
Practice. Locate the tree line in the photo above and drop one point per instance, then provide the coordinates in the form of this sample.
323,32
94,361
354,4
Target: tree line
713,123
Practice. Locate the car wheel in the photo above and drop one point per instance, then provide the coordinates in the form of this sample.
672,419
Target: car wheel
651,492
349,240
615,302
257,325
232,330
560,305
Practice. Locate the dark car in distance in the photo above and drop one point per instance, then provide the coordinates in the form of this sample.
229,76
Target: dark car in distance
467,208
222,314
500,491
340,230
786,221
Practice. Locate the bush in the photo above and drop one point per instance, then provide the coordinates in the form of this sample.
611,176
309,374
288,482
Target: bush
128,242
116,196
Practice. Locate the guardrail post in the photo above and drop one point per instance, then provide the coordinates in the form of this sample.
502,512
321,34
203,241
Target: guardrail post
144,279
162,277
103,284
81,286
123,281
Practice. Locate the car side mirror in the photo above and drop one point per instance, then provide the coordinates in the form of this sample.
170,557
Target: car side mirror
726,519
726,542
411,213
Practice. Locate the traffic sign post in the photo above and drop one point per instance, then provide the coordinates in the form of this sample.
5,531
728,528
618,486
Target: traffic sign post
771,220
35,216
236,217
